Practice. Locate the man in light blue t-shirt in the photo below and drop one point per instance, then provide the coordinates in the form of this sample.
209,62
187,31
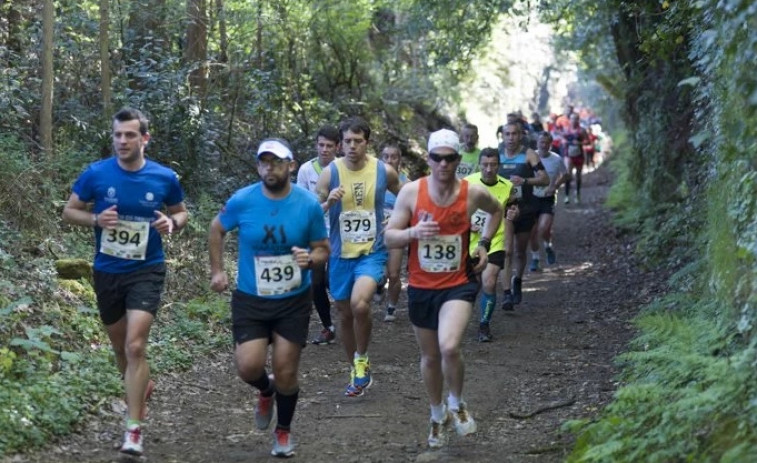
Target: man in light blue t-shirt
282,237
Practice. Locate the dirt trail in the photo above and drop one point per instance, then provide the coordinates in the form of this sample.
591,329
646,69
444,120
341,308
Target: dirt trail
556,349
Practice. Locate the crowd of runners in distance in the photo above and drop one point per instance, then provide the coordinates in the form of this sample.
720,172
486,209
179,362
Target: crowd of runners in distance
340,233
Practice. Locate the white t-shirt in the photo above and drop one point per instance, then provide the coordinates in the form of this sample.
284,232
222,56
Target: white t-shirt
554,166
307,177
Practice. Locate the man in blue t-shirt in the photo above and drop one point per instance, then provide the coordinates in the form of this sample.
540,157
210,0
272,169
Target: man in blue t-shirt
282,236
128,193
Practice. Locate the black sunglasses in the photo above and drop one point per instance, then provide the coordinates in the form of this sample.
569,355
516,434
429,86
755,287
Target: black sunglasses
450,158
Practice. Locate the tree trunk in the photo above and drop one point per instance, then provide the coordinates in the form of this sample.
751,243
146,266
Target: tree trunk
196,50
223,37
46,111
105,58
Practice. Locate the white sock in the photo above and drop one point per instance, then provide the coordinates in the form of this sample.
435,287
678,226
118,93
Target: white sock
332,329
453,402
535,255
437,412
547,244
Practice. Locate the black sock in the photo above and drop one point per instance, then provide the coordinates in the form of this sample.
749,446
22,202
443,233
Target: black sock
285,405
263,384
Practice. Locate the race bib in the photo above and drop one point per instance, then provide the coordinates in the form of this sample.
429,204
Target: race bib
357,226
478,219
440,254
464,169
574,151
128,240
518,191
540,191
277,274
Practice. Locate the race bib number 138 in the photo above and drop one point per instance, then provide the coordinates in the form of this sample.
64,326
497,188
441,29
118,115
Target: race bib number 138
440,254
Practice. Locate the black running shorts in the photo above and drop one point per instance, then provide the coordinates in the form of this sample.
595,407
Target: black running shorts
138,290
255,317
424,304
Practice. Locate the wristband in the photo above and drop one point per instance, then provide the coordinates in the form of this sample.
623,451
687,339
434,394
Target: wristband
485,243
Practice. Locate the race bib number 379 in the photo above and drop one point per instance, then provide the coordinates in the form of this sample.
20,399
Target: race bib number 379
128,240
358,226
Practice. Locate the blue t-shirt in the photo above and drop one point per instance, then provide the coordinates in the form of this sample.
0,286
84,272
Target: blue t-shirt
268,228
137,195
390,198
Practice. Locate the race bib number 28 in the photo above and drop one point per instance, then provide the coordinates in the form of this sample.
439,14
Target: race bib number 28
128,240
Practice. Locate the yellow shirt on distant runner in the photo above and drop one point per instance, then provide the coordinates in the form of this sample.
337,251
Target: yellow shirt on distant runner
501,191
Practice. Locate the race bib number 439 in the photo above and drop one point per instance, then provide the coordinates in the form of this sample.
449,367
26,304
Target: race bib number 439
128,240
277,274
440,254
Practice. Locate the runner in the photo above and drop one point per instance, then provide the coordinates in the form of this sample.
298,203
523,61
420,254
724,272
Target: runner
432,217
545,200
281,237
521,166
468,151
391,154
128,192
352,190
501,189
327,145
575,136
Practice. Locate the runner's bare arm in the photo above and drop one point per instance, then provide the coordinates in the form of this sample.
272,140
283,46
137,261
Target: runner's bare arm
398,232
540,175
75,212
219,281
325,197
392,180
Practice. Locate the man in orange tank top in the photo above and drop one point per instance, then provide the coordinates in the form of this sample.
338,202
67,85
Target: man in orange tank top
432,217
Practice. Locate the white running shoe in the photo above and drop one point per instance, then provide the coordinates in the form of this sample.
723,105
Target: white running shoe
464,422
133,442
437,432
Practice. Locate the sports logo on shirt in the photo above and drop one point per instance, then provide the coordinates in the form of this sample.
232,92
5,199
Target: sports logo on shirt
111,192
358,192
149,196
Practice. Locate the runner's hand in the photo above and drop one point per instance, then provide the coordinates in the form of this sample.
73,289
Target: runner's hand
219,282
480,259
302,257
425,229
335,195
163,224
108,219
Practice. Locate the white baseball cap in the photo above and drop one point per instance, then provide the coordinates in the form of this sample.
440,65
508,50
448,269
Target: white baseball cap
443,138
276,147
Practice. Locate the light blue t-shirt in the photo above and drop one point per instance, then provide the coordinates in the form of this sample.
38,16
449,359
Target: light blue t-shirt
137,195
268,228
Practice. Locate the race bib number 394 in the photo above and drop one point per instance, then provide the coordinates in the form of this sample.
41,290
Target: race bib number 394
277,274
128,240
440,254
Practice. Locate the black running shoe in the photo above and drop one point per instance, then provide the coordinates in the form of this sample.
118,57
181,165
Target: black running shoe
517,292
507,302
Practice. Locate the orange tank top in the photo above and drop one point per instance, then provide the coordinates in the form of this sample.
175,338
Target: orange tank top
441,262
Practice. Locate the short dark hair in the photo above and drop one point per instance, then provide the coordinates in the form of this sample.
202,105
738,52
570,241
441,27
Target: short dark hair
390,144
329,132
489,153
470,126
546,134
132,114
355,125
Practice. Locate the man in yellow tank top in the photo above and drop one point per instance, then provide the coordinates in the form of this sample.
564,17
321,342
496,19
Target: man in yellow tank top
352,190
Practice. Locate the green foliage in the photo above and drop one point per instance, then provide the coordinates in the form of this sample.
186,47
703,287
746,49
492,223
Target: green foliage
684,396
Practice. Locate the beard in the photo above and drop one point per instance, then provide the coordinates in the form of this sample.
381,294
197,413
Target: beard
275,185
